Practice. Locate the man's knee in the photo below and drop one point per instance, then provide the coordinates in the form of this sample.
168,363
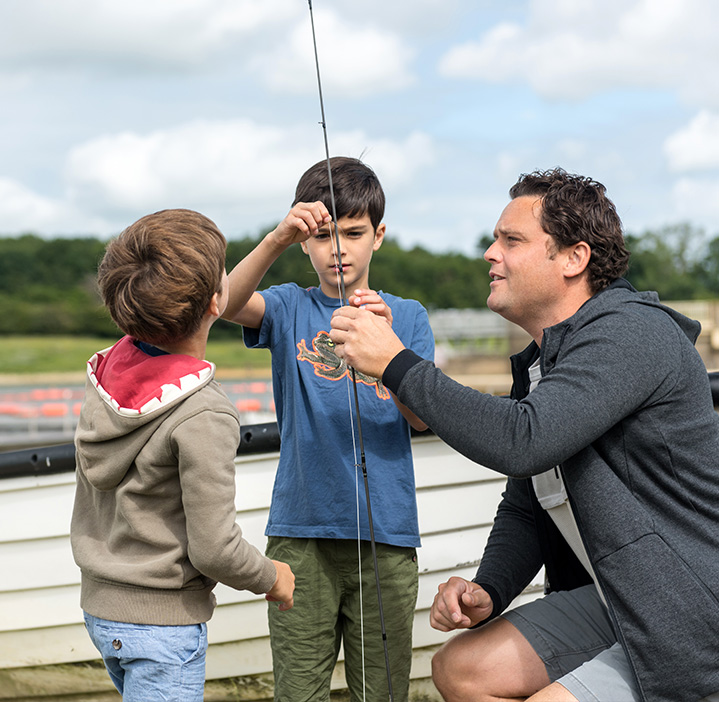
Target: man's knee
495,661
454,671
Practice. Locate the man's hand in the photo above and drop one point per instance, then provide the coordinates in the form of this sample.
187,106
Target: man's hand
370,300
364,340
303,221
459,604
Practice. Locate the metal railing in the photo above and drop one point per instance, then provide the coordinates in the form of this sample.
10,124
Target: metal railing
255,438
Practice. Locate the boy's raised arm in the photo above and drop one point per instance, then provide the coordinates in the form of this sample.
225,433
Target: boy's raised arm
245,305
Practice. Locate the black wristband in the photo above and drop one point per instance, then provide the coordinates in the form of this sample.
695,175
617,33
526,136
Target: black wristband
398,367
494,595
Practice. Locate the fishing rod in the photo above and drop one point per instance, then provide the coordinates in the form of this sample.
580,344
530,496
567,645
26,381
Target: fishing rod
362,461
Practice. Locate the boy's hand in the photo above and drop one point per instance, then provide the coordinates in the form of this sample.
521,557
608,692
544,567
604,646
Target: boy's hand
370,300
284,587
302,221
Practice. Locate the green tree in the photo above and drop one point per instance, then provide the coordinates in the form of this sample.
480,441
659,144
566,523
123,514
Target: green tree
666,260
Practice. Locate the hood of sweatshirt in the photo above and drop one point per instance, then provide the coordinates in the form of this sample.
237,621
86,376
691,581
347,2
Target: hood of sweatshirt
620,294
128,394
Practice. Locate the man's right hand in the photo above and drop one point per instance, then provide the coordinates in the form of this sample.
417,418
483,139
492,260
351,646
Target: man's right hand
459,604
283,589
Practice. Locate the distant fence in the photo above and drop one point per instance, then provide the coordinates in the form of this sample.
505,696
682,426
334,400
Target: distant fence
481,333
35,416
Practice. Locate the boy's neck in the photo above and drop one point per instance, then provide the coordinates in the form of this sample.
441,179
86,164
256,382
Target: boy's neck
195,345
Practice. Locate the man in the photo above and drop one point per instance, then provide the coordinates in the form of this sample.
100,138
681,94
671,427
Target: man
610,444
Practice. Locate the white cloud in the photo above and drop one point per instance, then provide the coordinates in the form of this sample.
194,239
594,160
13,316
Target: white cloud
355,61
223,168
697,200
203,162
158,34
696,146
571,49
22,210
357,58
396,162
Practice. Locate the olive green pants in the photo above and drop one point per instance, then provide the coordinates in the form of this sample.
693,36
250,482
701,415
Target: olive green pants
306,639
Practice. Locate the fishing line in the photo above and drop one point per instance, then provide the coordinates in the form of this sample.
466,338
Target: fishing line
360,441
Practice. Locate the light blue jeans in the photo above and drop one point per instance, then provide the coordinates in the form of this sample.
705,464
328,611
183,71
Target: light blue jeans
149,663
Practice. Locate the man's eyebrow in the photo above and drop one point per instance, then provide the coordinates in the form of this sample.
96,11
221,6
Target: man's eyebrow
506,231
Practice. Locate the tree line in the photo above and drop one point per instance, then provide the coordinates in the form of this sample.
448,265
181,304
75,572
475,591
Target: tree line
47,286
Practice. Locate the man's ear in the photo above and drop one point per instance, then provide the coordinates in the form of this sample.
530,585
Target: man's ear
577,260
379,236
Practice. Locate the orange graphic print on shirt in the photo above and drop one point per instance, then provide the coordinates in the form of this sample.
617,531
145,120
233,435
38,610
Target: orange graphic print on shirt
327,364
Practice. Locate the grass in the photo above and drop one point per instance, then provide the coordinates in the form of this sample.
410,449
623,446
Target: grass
28,355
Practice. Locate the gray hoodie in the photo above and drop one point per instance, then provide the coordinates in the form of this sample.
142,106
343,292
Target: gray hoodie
625,408
153,528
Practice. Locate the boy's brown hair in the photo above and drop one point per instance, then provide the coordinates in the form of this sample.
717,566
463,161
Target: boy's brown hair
356,188
157,277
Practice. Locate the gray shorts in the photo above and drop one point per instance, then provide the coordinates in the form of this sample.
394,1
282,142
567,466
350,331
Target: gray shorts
572,633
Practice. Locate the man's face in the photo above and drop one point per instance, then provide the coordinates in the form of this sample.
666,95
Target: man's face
527,279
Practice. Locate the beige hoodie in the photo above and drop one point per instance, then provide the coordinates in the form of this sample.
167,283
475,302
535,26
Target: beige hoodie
153,528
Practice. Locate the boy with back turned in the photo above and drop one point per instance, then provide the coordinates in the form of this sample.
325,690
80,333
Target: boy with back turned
313,523
153,528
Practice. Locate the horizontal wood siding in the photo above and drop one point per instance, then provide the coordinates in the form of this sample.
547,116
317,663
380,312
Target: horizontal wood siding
45,651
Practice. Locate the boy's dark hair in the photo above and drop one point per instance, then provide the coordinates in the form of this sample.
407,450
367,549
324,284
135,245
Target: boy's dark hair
574,209
157,277
357,189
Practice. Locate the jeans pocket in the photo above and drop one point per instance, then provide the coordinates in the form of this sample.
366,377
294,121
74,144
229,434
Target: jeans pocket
191,642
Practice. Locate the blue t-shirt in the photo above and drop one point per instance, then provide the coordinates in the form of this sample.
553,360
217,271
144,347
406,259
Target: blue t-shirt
314,494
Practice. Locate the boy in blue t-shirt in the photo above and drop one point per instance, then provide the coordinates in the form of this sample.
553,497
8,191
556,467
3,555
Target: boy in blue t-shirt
318,516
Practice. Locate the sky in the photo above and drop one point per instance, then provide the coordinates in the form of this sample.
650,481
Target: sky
111,110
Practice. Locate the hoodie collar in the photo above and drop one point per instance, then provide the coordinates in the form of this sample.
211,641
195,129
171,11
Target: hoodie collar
134,383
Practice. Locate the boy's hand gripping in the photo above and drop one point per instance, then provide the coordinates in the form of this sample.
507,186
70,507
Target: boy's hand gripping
370,300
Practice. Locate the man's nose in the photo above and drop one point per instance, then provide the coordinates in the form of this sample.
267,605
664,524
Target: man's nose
492,253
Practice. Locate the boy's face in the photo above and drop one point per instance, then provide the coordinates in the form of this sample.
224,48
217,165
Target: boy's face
358,241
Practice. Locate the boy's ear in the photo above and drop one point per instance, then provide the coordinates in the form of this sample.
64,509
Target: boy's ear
213,309
303,244
379,236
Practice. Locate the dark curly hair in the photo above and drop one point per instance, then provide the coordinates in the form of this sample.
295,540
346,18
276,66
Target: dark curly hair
574,209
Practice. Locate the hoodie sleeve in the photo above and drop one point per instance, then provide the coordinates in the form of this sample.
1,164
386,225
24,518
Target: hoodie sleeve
606,371
205,445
